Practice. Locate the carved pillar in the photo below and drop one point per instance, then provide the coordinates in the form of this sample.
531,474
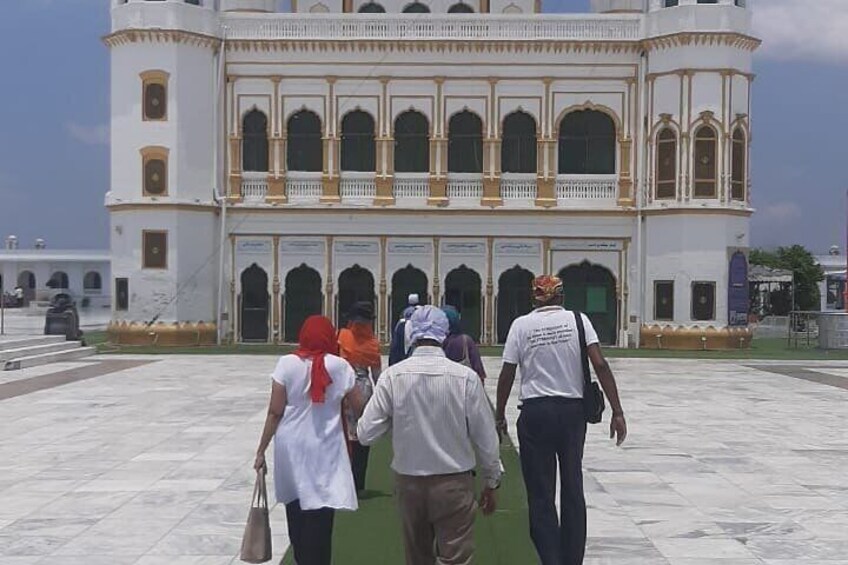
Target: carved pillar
438,178
436,284
491,178
546,180
489,330
235,167
330,181
384,179
329,298
625,179
276,321
384,299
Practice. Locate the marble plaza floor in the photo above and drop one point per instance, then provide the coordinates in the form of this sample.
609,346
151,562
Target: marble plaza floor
146,461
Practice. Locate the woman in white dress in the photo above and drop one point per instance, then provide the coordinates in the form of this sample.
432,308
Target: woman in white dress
312,474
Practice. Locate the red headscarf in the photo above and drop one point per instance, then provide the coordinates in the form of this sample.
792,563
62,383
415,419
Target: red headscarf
317,339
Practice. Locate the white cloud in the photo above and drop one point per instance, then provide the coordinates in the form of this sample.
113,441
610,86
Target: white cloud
803,29
781,212
90,135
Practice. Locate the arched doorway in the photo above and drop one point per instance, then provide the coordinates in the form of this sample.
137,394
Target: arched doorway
407,281
302,298
26,280
591,289
514,298
254,301
462,291
355,285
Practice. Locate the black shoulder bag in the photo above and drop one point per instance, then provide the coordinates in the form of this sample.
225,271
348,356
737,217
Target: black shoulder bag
593,397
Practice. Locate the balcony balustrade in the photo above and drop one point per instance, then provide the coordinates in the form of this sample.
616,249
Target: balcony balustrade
358,188
411,187
592,190
304,188
254,186
395,27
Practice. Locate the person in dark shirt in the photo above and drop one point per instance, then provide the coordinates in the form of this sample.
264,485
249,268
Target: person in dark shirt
461,347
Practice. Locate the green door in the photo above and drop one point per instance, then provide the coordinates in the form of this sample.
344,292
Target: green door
591,289
302,298
462,291
406,281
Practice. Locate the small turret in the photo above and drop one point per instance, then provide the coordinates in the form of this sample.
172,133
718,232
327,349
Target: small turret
248,5
618,6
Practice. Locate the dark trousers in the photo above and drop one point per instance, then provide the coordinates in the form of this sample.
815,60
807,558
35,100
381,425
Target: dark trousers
359,463
551,429
311,534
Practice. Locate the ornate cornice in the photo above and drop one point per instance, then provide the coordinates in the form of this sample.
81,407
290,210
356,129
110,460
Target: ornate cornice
433,46
705,38
129,36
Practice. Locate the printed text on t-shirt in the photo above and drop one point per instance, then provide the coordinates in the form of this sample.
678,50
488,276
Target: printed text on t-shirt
551,335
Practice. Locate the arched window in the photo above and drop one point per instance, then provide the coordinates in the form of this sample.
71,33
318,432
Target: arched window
670,3
666,164
92,281
371,8
465,143
416,8
739,166
154,95
587,144
518,149
460,8
58,280
255,142
155,171
304,150
412,143
706,165
358,147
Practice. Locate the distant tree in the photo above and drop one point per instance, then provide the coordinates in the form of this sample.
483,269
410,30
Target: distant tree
808,274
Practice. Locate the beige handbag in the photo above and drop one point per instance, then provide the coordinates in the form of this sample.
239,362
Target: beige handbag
256,543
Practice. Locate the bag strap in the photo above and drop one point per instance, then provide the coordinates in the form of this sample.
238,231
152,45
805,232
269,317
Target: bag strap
584,352
260,490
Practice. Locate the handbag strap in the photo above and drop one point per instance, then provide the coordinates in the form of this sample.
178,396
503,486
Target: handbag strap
584,353
260,490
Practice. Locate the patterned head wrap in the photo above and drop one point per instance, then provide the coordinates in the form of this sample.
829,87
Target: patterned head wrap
428,322
546,287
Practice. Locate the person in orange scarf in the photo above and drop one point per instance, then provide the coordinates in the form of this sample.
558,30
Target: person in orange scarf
359,346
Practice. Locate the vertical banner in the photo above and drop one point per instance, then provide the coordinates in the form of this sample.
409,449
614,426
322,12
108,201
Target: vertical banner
738,302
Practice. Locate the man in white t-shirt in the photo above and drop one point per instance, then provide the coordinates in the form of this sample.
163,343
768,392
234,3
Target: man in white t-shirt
552,425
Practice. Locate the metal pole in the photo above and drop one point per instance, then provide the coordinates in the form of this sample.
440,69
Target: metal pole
2,307
219,182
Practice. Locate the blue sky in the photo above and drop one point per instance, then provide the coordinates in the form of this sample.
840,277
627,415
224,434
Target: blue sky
54,159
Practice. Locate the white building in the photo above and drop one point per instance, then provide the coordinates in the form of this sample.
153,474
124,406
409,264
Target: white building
832,288
366,150
42,273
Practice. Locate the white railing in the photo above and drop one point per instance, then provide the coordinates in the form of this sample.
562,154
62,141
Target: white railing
358,187
597,188
254,186
569,27
412,186
304,188
515,186
468,187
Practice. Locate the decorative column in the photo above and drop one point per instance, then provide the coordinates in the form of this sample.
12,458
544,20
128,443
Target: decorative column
235,315
385,153
545,146
329,299
546,256
277,179
436,285
438,152
234,145
276,321
384,299
492,154
625,179
489,331
330,193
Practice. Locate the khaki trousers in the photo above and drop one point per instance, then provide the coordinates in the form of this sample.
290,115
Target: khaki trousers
437,517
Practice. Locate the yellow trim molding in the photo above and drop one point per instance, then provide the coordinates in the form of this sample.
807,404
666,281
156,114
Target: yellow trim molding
177,334
695,338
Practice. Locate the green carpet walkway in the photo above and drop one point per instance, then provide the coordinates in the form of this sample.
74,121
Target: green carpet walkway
372,535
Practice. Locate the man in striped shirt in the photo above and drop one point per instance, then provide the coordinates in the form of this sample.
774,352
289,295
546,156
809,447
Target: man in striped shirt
439,417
